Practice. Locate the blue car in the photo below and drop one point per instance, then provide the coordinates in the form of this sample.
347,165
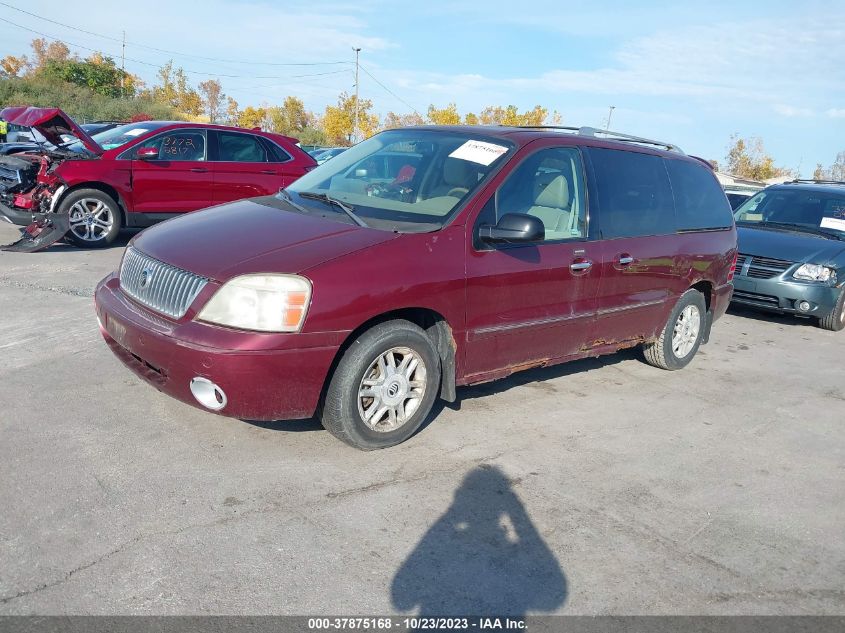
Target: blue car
792,251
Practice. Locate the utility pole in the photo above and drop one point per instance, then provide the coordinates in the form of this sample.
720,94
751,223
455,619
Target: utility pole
355,125
123,66
609,114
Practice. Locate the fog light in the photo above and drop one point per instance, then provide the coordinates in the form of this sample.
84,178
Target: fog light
804,306
208,394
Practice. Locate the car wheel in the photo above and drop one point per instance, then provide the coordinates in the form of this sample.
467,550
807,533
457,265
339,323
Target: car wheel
94,218
835,321
681,337
383,387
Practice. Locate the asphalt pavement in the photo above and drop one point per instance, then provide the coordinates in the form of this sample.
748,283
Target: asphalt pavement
599,487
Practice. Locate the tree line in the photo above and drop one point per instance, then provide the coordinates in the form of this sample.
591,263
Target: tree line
95,88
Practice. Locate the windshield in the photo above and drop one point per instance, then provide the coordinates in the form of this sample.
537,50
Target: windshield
115,137
814,210
404,180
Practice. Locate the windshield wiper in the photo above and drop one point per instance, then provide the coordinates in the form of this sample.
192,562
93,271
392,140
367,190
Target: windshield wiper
287,198
802,227
324,197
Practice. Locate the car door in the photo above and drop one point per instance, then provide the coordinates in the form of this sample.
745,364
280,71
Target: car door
246,165
640,268
528,303
174,179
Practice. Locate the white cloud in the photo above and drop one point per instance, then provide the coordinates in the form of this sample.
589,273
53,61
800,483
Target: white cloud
836,113
791,111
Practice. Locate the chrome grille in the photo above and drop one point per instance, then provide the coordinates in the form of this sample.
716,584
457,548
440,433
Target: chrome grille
761,267
159,286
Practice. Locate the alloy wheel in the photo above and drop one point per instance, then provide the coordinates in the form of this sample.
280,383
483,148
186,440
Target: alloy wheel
90,219
392,389
686,330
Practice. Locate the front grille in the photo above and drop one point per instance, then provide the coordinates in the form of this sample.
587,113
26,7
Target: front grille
157,285
761,267
753,297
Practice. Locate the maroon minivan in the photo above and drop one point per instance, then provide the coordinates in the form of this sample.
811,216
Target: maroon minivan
420,260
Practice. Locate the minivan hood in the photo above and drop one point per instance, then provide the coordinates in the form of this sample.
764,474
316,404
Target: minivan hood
789,245
51,123
252,236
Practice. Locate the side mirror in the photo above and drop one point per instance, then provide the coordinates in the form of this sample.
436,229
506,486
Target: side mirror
147,153
513,227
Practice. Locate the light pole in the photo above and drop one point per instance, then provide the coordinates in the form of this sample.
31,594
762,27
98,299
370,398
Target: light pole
355,124
609,114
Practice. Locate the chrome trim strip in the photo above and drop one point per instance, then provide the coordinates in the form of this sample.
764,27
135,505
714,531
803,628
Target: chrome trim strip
523,324
642,304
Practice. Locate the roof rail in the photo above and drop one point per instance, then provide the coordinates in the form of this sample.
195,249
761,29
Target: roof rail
608,134
815,181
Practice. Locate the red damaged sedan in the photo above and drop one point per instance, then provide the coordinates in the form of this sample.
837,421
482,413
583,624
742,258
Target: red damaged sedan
133,175
419,260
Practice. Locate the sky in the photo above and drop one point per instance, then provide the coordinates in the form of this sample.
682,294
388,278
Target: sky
688,73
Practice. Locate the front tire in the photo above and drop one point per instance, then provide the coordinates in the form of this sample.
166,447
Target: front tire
835,320
681,337
383,387
94,218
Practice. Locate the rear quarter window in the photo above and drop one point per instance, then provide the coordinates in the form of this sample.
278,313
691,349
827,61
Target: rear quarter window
635,199
700,203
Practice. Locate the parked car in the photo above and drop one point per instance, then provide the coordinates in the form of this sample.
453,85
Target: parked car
6,149
737,196
364,299
327,154
134,175
792,251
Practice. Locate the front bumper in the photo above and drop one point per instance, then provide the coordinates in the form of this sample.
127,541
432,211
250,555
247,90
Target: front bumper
780,295
21,217
264,376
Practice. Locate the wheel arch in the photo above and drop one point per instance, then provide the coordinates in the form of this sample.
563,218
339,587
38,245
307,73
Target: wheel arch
705,288
436,328
110,191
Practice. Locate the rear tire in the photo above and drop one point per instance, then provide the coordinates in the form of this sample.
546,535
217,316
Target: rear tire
383,388
835,321
94,218
681,337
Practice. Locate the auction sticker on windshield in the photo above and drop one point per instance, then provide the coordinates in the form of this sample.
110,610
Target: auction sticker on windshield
479,152
833,223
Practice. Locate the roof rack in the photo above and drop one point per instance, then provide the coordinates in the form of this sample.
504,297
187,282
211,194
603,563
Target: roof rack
608,134
814,181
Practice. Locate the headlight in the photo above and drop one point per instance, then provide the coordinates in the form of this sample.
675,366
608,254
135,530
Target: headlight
814,272
266,303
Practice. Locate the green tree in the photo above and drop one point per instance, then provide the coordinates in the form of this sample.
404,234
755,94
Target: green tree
212,99
11,66
444,116
44,51
835,172
233,113
747,158
98,73
251,117
393,120
497,115
338,121
471,119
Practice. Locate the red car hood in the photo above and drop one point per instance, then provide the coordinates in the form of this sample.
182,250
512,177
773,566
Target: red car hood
253,236
51,123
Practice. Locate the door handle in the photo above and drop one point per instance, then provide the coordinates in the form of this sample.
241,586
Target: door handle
199,170
580,266
268,171
625,260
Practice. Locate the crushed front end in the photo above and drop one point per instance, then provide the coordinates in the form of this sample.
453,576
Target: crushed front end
29,191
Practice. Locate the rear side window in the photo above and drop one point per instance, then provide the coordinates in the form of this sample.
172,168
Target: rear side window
240,148
700,202
635,198
187,145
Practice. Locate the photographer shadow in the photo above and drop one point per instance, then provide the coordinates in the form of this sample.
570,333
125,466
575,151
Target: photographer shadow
483,557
